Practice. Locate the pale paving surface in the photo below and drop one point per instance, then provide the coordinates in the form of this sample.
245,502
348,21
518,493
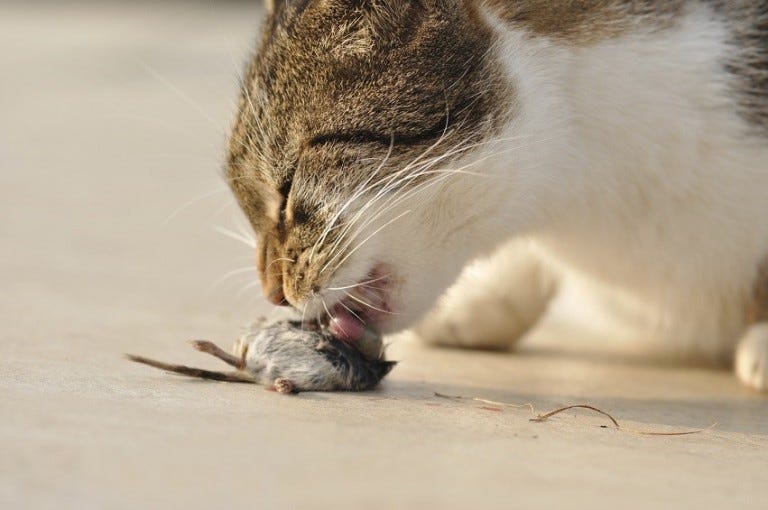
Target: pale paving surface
95,153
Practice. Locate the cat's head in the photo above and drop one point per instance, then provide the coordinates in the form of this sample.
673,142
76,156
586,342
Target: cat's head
354,120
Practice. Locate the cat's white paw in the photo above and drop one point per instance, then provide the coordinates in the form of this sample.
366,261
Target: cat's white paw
494,302
752,357
474,326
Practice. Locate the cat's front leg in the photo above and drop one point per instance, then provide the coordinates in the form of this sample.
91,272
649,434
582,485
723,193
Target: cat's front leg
752,357
494,303
752,351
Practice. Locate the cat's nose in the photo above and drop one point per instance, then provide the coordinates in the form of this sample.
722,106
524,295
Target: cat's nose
277,297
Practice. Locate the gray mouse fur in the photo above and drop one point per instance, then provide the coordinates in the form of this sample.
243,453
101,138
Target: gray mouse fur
291,357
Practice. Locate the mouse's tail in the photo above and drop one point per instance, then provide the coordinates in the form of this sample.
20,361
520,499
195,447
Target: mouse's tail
239,377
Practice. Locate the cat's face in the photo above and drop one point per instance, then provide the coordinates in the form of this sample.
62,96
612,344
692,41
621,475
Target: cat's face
352,116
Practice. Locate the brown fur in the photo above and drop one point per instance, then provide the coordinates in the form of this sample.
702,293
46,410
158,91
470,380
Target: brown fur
749,64
586,21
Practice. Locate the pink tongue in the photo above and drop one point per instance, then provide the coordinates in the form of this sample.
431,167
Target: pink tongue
346,326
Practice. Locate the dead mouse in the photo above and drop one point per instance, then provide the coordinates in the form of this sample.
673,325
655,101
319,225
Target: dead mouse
291,356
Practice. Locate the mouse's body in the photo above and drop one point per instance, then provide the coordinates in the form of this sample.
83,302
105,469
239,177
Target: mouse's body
291,357
310,359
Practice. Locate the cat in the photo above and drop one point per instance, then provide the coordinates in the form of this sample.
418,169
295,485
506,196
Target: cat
449,165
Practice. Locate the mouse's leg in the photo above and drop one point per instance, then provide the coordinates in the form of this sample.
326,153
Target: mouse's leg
494,302
200,373
284,386
214,350
241,346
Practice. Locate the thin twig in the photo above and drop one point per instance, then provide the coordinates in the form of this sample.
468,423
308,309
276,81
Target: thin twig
544,417
486,401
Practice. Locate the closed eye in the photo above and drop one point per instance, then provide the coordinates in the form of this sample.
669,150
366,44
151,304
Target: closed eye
351,137
365,136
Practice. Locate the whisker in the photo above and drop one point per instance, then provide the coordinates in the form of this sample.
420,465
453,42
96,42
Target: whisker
306,303
371,202
359,284
235,272
351,252
386,180
356,218
395,200
329,313
247,287
221,209
282,259
352,312
248,241
379,213
354,196
351,296
181,94
407,174
389,178
177,211
397,179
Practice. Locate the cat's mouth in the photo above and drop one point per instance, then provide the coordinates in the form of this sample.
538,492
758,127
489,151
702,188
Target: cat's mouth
357,316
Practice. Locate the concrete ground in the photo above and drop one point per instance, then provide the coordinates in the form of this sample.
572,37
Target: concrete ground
111,136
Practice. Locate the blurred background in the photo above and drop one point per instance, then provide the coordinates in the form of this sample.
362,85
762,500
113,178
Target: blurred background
112,135
117,234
